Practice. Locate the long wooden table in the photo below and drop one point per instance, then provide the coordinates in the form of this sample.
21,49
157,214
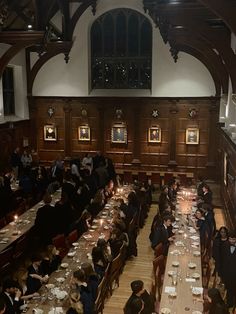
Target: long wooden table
78,254
22,224
184,261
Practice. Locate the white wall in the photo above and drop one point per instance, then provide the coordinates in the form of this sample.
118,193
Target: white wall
187,77
20,86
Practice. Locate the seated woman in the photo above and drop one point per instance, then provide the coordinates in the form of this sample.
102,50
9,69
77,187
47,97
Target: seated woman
220,238
35,275
51,260
201,225
20,277
97,203
76,306
78,283
92,279
109,190
117,239
99,263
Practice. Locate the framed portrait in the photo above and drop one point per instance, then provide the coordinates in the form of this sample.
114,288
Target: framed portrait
50,133
84,133
154,135
119,134
192,136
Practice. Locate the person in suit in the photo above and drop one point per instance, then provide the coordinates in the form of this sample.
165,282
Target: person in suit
2,306
10,296
218,242
163,234
164,200
228,268
216,303
139,292
43,225
35,276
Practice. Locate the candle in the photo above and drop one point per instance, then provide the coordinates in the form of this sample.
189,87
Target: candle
185,236
15,218
101,222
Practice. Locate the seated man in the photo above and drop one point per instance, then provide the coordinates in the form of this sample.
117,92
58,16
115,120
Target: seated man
10,297
163,234
138,292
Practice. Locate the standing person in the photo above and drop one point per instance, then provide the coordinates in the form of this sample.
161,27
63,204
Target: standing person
26,159
220,238
163,234
229,269
16,162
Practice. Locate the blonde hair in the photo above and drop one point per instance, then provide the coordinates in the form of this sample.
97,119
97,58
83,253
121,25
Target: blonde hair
75,302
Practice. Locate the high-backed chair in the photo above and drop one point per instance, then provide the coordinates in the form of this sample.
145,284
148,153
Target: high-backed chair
158,272
158,250
114,272
20,246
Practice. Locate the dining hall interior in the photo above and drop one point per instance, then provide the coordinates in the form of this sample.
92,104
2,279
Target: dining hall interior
118,156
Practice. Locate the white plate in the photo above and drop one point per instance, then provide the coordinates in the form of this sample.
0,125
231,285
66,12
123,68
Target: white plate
75,244
94,227
165,310
50,286
175,252
175,263
195,275
3,231
172,272
196,312
196,253
32,210
192,265
177,219
71,254
106,227
64,265
181,231
179,243
60,279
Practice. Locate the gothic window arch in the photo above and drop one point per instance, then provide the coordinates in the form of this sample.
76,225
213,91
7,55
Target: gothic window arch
121,50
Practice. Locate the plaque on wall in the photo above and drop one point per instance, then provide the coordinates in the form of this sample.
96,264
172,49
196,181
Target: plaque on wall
192,136
84,133
50,133
119,134
154,135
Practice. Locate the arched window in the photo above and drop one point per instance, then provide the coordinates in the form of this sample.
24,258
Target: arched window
121,50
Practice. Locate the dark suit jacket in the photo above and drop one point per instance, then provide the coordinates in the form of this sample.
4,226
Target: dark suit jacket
161,235
11,307
228,266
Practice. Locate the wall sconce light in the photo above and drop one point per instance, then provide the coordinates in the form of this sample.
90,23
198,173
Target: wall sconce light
51,111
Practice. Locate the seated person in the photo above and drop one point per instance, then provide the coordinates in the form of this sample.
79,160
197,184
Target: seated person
76,306
78,283
138,292
117,239
35,276
92,279
215,304
51,260
20,277
163,234
10,296
2,306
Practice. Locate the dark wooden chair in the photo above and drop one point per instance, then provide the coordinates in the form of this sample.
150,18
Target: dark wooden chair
158,271
59,242
6,260
158,250
114,273
102,293
72,237
20,247
3,222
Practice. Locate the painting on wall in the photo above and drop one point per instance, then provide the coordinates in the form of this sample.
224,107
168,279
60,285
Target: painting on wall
84,133
50,133
154,135
192,136
119,134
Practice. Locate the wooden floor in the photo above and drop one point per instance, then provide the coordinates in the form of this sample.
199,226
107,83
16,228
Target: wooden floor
141,266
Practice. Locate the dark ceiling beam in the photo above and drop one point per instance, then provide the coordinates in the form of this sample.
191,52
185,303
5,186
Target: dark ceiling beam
219,39
203,47
206,55
52,49
18,42
81,9
198,55
225,9
44,10
66,22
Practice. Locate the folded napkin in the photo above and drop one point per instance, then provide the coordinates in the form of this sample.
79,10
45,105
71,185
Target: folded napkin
190,280
169,289
194,238
3,242
197,290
